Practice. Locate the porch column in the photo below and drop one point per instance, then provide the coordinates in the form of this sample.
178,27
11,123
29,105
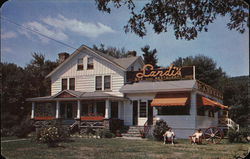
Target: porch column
78,109
33,110
107,109
57,109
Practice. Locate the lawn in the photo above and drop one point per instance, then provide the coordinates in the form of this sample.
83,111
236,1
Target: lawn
119,149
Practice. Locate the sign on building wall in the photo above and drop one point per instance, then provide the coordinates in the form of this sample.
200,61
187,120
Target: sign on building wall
171,73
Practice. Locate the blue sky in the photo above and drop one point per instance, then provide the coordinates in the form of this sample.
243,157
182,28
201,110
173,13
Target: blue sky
76,23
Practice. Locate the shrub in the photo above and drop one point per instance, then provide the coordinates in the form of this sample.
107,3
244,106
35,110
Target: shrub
160,128
238,136
52,135
105,134
24,129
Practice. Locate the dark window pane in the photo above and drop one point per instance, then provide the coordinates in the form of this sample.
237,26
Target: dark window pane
80,64
106,82
143,109
100,108
64,84
173,110
98,84
90,63
72,83
114,109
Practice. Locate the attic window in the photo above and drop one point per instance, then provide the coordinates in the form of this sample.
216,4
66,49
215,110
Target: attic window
90,65
80,64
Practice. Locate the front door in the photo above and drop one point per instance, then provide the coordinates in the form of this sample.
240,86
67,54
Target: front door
69,113
114,110
135,113
150,113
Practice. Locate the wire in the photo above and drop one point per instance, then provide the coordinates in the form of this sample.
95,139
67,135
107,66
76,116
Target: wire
37,32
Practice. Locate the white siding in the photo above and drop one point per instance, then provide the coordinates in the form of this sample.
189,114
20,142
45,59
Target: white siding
128,113
85,79
205,121
137,65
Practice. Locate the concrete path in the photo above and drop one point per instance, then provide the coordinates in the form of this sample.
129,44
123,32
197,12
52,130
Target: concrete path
13,140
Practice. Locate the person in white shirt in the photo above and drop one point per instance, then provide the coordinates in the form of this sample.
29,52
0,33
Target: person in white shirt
197,136
169,136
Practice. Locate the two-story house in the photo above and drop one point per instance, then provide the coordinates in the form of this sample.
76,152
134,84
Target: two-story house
91,86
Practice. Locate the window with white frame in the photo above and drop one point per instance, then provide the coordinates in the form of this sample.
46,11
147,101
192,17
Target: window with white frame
98,83
80,64
107,82
90,63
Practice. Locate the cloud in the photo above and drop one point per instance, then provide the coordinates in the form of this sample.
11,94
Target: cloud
8,35
41,28
87,29
6,49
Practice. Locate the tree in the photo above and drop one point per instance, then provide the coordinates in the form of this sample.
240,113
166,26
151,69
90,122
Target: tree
112,51
187,18
149,56
236,96
205,70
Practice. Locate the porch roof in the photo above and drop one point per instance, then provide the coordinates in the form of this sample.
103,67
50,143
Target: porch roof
76,95
159,86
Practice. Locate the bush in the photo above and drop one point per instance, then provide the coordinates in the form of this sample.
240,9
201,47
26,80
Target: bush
105,134
24,129
160,128
52,135
238,136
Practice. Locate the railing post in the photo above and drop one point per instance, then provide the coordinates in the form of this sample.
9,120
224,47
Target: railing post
57,109
78,109
107,109
33,110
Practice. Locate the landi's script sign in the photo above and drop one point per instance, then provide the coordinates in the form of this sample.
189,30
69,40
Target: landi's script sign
170,73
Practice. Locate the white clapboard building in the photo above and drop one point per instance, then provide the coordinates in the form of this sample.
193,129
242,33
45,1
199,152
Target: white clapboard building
91,86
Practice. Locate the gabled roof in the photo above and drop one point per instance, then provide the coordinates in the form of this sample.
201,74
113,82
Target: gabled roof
116,62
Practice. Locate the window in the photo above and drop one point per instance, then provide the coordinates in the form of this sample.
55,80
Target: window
64,83
72,83
211,113
132,68
98,83
90,63
201,111
80,64
173,110
106,82
143,109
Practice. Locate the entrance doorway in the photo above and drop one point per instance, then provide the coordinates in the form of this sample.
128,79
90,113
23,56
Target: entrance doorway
135,112
150,113
114,110
66,110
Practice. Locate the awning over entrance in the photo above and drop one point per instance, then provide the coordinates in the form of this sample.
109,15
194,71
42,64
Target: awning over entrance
173,99
203,101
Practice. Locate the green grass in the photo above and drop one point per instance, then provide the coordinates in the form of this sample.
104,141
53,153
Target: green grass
119,149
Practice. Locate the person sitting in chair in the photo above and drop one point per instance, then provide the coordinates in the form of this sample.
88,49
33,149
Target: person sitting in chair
169,136
197,137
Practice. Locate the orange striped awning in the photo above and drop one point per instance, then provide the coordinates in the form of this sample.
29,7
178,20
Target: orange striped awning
203,101
170,100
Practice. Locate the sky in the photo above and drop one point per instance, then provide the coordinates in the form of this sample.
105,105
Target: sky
76,22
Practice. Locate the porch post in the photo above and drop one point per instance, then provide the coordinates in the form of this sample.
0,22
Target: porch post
107,109
33,110
78,109
57,109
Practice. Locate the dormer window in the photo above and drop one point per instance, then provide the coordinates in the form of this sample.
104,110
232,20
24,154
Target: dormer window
90,64
80,64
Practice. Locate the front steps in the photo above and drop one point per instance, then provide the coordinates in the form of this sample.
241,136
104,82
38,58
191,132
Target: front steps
133,131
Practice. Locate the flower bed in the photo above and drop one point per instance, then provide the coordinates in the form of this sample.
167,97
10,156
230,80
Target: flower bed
94,118
44,118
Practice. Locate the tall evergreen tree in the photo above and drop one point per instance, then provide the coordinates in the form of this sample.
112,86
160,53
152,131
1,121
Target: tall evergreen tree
149,56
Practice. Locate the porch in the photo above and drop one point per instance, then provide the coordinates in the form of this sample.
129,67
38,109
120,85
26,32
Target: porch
71,108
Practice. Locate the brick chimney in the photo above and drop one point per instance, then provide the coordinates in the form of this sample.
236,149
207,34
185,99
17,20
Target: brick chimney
131,53
62,56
